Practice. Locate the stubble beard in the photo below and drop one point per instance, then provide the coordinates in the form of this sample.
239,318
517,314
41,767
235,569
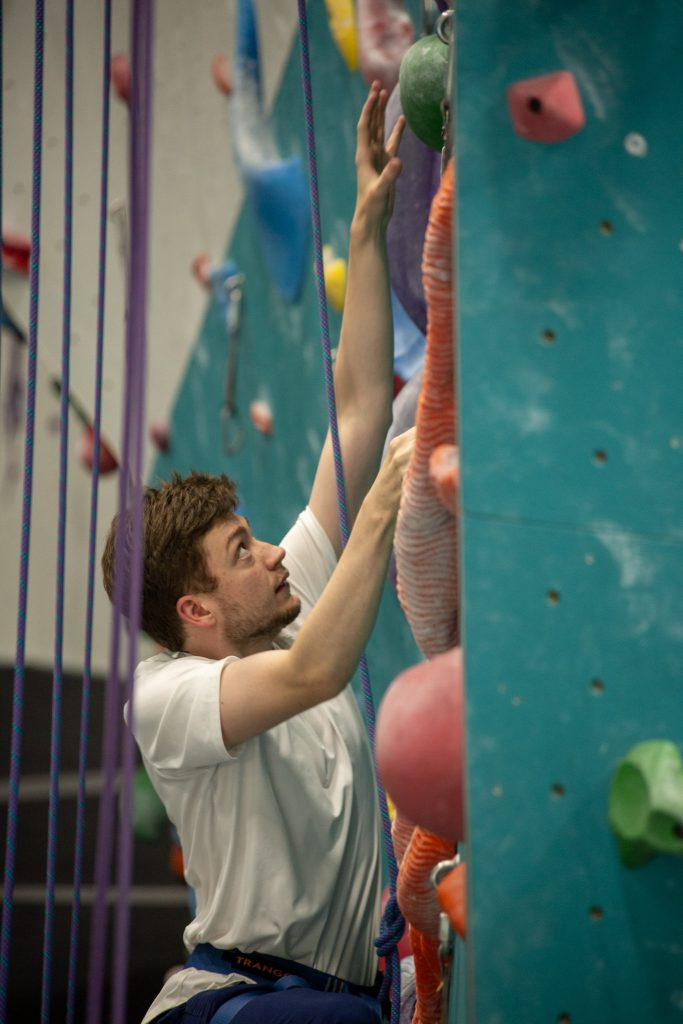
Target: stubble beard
240,627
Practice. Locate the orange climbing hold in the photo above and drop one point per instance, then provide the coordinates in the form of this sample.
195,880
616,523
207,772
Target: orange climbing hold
444,472
221,74
261,415
452,896
547,108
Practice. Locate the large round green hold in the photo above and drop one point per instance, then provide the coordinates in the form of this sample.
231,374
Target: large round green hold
422,84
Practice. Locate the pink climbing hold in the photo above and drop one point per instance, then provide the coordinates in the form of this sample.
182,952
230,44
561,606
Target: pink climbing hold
108,462
120,76
420,744
261,416
220,72
160,436
385,32
547,108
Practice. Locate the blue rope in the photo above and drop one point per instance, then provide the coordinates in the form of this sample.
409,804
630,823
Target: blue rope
20,661
57,676
392,922
136,339
92,552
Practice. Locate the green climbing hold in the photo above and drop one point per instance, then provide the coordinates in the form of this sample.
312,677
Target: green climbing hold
422,83
646,802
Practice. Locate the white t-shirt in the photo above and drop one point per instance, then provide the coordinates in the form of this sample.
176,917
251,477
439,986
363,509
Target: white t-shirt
280,836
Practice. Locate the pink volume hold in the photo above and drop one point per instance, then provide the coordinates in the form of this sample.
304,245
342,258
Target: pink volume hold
547,108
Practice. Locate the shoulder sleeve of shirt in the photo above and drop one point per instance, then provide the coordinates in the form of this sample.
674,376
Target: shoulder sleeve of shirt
310,560
176,715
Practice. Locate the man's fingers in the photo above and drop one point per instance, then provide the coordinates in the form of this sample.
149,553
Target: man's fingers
365,119
394,139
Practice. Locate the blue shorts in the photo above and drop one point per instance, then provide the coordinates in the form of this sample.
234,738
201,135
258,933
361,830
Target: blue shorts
288,1006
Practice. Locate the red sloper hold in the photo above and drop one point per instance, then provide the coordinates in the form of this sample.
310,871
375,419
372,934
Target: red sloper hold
16,251
547,108
107,460
120,76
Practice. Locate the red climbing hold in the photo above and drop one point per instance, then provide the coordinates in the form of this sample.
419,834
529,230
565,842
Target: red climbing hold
160,436
547,108
16,252
108,462
120,76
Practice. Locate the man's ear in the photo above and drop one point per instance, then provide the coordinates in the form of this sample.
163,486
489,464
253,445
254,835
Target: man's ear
194,612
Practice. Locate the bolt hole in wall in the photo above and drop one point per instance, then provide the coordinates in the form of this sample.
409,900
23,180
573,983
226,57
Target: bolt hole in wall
596,913
564,1018
557,790
597,686
599,457
549,336
553,597
606,227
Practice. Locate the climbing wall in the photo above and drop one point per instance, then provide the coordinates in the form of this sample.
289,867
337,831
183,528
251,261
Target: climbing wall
277,345
571,360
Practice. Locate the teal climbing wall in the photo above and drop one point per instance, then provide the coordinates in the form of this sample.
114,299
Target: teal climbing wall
279,350
570,300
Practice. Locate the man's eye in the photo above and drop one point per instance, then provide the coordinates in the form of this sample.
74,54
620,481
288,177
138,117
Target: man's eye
242,551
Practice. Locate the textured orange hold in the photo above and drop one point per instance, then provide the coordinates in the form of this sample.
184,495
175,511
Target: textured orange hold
547,108
444,472
425,544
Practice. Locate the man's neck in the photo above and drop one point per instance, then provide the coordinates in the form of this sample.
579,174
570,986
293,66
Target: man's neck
217,648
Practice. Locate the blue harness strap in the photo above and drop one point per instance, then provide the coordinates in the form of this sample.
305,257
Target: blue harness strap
263,967
268,974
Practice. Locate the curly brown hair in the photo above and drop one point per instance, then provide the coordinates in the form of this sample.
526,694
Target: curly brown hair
175,517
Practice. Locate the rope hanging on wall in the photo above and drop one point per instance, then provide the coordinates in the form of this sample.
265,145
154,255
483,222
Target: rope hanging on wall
92,544
20,659
392,922
127,571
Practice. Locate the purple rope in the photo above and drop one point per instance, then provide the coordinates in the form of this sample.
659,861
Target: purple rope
139,191
92,552
20,662
57,676
392,922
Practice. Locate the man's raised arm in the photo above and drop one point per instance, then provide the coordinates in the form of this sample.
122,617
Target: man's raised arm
364,367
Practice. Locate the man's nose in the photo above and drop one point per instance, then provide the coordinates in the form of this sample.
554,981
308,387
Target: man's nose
274,555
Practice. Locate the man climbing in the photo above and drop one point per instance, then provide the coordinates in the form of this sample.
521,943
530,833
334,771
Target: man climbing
246,725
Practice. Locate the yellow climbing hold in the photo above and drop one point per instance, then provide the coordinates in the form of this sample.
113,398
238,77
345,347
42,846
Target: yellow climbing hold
334,269
342,18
